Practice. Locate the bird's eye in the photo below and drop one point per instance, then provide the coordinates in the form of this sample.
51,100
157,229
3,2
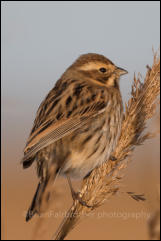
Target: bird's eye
103,70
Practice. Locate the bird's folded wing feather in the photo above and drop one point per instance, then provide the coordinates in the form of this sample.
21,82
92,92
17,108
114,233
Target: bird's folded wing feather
63,127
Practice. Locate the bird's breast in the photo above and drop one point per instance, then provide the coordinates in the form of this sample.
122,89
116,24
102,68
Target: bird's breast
93,144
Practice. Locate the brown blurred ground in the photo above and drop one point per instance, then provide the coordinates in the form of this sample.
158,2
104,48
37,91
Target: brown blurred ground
121,218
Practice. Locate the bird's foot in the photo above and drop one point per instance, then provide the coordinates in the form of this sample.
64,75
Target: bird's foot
76,197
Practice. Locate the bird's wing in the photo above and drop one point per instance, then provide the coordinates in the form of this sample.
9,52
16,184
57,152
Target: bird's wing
48,131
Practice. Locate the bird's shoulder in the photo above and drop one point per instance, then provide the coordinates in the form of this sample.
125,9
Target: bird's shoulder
67,98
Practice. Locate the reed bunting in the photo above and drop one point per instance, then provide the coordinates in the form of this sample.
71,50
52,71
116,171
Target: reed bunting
77,125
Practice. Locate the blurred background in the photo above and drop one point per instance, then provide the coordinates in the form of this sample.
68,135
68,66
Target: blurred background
40,39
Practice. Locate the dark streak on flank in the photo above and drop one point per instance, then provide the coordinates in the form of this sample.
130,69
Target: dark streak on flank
85,130
103,123
98,129
109,120
109,138
99,138
86,140
103,150
95,150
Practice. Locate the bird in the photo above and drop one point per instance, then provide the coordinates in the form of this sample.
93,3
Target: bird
77,125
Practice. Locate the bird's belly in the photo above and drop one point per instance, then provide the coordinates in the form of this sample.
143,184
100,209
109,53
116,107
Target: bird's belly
79,167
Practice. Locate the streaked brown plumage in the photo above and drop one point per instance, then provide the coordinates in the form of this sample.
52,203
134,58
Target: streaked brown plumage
77,125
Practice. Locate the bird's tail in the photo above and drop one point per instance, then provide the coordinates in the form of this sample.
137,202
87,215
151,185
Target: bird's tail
42,195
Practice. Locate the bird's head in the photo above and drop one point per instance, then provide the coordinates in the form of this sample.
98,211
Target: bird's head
98,68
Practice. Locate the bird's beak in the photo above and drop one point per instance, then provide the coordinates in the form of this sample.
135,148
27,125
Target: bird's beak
121,71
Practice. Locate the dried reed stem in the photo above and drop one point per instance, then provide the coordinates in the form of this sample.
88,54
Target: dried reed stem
104,181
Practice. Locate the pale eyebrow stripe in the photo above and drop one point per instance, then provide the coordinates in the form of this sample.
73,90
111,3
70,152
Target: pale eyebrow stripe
96,65
90,66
